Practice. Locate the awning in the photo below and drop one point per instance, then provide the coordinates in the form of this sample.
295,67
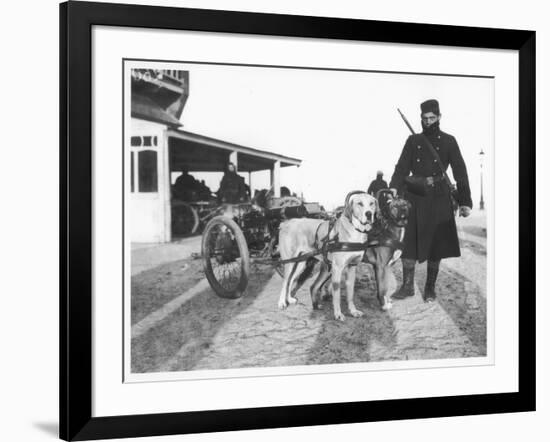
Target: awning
147,109
199,153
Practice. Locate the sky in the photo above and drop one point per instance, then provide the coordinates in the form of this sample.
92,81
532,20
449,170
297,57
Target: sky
344,126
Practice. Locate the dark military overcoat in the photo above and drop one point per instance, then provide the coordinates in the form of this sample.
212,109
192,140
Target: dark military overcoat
431,231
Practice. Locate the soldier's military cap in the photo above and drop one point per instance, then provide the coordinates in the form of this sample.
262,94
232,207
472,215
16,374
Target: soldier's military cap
430,106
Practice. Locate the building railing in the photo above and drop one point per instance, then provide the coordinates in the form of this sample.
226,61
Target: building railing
161,77
174,73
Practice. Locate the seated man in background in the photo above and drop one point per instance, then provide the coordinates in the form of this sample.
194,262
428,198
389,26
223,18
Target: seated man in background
186,187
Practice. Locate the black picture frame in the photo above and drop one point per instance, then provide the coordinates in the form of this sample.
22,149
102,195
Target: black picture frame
76,21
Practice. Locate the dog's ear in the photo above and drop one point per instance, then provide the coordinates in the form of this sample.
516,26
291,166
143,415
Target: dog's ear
347,207
376,208
350,194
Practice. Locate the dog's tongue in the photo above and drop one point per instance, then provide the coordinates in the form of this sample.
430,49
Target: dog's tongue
368,227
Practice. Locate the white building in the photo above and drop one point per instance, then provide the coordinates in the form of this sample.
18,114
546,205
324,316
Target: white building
158,147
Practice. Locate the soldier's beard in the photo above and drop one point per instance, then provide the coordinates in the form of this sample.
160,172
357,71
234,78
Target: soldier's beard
430,130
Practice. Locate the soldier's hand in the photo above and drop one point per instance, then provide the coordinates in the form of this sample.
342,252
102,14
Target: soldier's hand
464,211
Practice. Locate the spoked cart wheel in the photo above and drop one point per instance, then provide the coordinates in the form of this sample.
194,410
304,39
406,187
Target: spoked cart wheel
226,257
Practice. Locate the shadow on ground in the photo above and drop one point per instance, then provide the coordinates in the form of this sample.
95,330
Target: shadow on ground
153,288
464,302
180,340
352,340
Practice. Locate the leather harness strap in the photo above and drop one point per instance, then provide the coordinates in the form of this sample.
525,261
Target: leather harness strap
326,241
359,247
327,245
333,245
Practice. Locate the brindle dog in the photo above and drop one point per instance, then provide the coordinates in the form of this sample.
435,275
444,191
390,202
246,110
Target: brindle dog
389,232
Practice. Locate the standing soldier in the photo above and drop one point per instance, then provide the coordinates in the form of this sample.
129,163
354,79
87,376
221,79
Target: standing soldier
377,184
431,231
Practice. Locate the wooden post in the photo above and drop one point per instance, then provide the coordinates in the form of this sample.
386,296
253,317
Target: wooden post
233,158
165,183
276,178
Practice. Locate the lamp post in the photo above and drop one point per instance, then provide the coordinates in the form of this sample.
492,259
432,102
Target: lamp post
481,158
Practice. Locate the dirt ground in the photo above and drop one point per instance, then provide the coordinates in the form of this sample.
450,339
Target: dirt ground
179,323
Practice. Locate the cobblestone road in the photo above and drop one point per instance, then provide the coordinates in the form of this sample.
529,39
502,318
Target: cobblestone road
178,323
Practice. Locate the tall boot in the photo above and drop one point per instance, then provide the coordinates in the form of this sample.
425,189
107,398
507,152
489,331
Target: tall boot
407,288
429,289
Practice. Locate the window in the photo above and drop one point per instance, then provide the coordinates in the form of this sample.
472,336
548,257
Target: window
147,171
146,141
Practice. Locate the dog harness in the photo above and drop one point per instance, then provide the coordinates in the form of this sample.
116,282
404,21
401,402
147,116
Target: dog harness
326,245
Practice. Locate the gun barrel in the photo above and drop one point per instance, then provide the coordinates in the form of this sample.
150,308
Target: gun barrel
406,121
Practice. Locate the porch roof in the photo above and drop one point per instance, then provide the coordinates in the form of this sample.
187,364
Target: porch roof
199,153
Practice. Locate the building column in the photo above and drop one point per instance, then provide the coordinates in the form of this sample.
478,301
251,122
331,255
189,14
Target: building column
233,158
165,183
276,178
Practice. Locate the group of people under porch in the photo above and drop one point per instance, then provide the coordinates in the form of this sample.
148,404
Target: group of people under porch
233,188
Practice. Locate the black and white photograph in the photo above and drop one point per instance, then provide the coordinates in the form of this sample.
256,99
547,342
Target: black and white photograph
311,219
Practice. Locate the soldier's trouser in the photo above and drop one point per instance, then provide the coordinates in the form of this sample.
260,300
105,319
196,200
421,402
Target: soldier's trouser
408,263
429,289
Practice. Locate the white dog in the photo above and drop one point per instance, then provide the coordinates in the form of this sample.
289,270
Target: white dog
304,235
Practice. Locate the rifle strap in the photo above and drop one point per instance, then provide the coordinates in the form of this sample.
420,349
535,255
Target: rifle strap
437,160
454,199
